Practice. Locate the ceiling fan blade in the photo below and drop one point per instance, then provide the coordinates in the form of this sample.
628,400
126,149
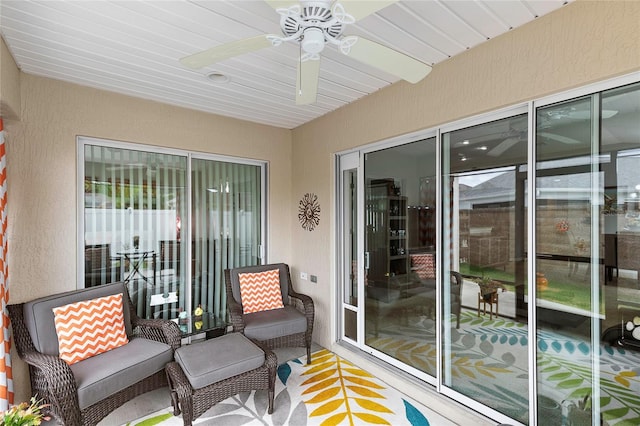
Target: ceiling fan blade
503,146
559,138
360,9
389,60
225,51
279,4
307,82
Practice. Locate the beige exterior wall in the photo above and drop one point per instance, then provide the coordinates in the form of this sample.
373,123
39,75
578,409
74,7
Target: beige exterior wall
42,181
584,42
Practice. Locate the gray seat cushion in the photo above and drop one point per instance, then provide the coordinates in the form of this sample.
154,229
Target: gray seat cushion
105,374
211,361
274,323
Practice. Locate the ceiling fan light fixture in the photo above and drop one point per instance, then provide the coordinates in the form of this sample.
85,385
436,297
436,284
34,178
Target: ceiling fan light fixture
313,40
218,77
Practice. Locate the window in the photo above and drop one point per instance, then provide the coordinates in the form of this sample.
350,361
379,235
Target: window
139,209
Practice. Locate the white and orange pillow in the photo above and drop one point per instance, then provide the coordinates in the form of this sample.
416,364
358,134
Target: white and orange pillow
424,265
90,327
260,291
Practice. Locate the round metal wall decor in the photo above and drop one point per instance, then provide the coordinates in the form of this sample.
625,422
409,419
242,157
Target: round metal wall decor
309,211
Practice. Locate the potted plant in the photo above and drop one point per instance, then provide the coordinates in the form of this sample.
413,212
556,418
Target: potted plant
24,414
488,286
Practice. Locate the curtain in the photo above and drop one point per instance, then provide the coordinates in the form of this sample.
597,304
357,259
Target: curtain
6,379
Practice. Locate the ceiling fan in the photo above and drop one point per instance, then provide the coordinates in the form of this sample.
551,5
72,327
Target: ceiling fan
521,136
313,25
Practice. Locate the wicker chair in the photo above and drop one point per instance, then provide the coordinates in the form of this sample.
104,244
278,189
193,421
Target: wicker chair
59,384
456,295
272,327
99,266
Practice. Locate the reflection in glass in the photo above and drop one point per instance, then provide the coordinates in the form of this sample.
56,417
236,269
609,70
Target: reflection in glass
564,250
350,253
587,246
400,241
137,229
483,190
133,203
226,231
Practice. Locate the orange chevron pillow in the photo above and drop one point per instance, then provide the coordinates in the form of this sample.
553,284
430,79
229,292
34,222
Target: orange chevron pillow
424,265
90,327
260,291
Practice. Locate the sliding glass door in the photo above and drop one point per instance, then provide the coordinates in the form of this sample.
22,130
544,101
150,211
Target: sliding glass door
133,202
226,203
499,260
485,354
587,244
168,224
400,252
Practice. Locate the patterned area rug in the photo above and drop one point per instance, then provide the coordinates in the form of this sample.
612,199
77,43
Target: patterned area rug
330,391
489,364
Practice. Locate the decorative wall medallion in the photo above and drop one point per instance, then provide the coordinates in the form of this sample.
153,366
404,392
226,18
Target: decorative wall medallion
309,211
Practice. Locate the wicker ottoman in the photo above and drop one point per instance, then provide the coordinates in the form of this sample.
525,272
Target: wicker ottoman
208,372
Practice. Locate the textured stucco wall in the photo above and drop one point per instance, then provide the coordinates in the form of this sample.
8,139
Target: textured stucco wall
41,154
584,42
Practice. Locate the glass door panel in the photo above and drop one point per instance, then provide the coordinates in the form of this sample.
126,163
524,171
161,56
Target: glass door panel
587,205
227,227
568,268
484,327
134,202
350,253
400,241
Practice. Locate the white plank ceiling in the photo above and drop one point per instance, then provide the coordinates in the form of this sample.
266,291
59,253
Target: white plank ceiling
133,47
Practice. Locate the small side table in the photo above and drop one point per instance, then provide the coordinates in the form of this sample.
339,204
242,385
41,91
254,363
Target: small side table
491,299
136,259
207,323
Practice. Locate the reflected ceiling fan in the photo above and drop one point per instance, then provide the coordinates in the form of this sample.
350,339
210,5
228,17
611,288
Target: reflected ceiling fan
313,25
521,136
517,135
513,137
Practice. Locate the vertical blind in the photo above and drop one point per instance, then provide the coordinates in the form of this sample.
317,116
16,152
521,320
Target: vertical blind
226,201
136,226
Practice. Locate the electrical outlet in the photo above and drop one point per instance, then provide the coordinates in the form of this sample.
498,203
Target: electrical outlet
304,276
314,279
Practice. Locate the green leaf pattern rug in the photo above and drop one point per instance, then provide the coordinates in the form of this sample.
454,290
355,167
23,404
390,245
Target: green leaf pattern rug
489,363
330,391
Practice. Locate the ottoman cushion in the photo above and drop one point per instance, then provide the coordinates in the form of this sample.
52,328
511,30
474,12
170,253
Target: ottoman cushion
217,359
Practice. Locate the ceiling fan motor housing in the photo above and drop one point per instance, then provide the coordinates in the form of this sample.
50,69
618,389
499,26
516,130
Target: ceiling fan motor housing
313,40
314,23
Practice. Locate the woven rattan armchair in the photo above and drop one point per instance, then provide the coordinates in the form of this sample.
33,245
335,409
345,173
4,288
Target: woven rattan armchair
64,387
291,326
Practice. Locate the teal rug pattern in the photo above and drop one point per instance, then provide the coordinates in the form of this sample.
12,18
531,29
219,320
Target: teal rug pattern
330,391
489,364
